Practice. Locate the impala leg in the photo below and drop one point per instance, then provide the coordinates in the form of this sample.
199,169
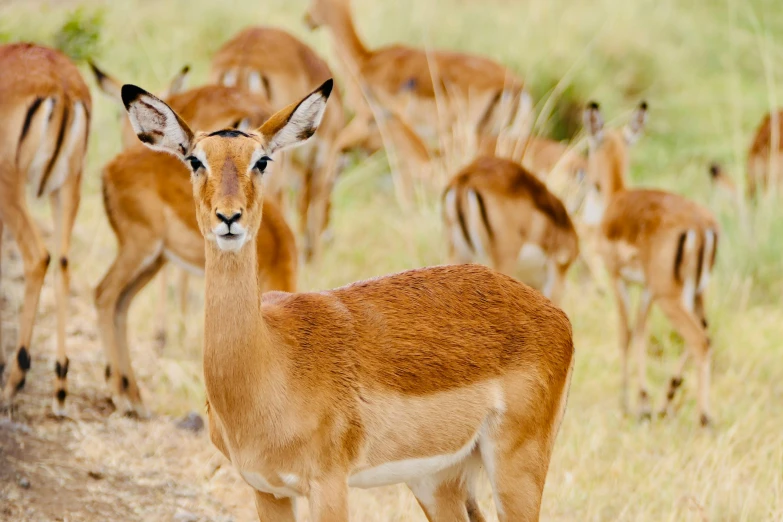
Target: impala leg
620,291
183,284
2,346
271,509
640,342
320,181
121,331
698,342
163,293
14,215
329,500
65,205
448,496
131,261
517,469
555,281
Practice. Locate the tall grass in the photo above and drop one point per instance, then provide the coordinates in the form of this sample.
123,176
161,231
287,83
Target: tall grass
708,70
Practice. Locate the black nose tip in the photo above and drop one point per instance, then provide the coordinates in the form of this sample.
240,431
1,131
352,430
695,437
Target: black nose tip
230,219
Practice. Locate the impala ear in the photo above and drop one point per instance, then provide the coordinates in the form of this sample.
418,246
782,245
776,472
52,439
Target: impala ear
106,83
156,124
634,129
178,83
296,123
593,121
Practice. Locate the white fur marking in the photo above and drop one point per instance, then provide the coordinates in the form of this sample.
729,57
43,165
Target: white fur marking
144,119
61,168
709,246
230,78
410,470
475,224
689,280
174,258
632,274
461,247
254,82
147,261
593,210
551,273
259,483
532,253
35,171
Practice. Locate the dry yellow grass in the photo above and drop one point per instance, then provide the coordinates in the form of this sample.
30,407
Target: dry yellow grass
708,72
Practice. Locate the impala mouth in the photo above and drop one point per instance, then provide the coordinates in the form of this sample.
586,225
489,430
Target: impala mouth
231,241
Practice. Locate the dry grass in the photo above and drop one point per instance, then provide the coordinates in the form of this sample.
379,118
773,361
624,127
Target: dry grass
708,72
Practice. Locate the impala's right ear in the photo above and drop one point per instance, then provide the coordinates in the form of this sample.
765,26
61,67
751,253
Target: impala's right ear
106,83
156,124
594,122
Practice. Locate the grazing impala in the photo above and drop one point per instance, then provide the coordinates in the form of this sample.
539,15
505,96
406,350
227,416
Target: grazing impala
764,168
147,199
494,208
659,240
45,108
282,67
419,377
434,92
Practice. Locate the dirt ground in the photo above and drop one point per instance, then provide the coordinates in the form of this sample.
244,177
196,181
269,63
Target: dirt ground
97,465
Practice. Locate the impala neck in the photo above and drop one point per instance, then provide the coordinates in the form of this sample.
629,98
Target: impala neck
235,351
346,39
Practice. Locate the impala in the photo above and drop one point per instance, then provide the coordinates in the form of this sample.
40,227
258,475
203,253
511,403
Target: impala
147,198
274,62
45,107
764,167
658,240
419,377
494,208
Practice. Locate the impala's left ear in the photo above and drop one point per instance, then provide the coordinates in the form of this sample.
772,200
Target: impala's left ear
156,124
633,130
296,123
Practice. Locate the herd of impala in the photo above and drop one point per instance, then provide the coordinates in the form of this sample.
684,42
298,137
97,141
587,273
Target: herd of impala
420,377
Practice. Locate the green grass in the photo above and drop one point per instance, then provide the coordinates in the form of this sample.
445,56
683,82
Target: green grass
708,70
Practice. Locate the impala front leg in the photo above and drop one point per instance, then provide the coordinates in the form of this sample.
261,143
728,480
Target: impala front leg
329,500
271,509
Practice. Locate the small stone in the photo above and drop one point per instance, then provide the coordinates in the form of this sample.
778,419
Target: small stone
23,482
95,474
191,422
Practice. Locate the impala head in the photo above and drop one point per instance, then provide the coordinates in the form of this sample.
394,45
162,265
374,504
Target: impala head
608,150
227,166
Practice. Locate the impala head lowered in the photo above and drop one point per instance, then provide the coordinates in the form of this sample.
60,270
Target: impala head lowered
227,165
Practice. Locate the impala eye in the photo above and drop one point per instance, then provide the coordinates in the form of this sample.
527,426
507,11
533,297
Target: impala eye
260,165
194,162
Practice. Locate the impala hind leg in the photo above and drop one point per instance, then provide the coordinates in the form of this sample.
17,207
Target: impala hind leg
271,509
14,215
690,327
622,300
65,205
121,331
162,313
130,263
448,496
328,500
2,346
639,339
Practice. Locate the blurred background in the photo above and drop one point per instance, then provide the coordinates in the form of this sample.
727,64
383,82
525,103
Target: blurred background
709,69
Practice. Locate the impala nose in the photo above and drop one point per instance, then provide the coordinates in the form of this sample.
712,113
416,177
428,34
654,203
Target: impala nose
233,218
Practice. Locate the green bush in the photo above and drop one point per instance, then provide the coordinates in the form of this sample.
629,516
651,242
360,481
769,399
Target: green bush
80,35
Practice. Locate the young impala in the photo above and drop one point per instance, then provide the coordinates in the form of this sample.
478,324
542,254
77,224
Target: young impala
659,240
45,109
147,197
419,377
494,208
764,167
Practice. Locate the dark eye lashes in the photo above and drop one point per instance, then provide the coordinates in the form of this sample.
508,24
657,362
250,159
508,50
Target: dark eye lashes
262,163
194,162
